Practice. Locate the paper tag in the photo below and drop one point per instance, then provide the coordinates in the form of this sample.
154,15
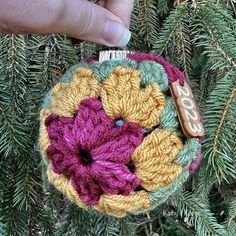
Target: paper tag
187,110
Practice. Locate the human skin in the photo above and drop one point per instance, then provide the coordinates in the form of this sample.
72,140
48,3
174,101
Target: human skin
104,23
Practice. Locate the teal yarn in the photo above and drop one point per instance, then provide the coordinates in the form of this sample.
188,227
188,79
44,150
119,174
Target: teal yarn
153,73
185,157
103,70
169,117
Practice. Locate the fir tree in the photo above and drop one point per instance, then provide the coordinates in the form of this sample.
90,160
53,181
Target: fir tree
197,36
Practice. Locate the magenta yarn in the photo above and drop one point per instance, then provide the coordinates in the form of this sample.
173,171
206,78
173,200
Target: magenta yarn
193,166
93,152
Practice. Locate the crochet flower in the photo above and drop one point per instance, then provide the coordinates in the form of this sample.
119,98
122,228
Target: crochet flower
124,95
112,138
94,151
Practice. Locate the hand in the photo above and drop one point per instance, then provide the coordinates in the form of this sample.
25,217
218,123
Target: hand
106,23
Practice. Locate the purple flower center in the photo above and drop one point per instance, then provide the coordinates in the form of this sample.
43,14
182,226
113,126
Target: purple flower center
86,158
131,166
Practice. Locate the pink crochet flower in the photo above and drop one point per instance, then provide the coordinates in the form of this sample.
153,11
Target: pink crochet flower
94,151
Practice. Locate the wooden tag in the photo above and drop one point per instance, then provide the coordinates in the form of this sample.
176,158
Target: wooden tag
187,110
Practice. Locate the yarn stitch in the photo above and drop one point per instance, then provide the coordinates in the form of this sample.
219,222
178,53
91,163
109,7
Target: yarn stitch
67,96
122,98
92,152
111,137
153,159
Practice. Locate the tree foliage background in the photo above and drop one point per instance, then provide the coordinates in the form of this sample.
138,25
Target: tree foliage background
198,37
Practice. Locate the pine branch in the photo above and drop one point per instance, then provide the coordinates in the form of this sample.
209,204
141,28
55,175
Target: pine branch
127,227
144,24
163,7
13,84
14,221
202,182
230,224
197,214
220,118
14,138
170,27
213,33
174,39
227,7
13,71
19,135
6,169
27,183
86,50
75,221
207,82
106,226
66,53
178,228
185,53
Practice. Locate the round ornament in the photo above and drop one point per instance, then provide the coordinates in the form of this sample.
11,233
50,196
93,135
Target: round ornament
122,135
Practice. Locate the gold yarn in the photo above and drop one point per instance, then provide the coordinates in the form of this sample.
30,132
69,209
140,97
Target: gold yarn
62,184
123,97
119,205
66,97
44,140
154,157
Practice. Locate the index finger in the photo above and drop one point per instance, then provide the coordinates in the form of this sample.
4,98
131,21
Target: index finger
121,8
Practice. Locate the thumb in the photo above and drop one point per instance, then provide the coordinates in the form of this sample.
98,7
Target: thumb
88,21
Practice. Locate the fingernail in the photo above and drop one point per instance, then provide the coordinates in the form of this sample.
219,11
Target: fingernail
116,35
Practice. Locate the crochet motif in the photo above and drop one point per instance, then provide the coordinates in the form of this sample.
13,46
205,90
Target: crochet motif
111,138
122,97
93,152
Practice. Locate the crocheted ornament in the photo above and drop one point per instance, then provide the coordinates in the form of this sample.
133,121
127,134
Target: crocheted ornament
112,138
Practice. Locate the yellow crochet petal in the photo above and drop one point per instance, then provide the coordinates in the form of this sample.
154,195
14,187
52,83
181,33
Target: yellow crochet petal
153,159
119,205
66,97
62,184
122,97
44,141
